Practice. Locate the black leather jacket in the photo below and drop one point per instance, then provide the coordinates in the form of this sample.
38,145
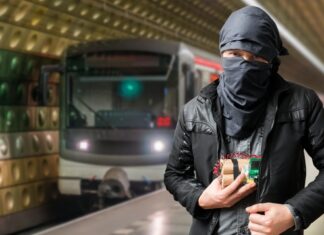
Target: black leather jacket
294,122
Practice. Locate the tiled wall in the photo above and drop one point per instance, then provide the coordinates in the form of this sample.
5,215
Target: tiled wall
28,134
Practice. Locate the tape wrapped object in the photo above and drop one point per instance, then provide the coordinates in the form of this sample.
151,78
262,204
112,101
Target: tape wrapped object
231,168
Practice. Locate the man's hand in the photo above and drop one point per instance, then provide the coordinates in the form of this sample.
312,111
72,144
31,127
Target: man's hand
269,219
216,197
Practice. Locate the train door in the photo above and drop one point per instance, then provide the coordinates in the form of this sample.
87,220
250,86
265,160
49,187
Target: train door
186,75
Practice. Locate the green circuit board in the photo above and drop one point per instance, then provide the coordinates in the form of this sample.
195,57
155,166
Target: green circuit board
252,170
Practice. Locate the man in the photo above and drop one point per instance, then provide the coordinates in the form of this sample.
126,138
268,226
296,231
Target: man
251,111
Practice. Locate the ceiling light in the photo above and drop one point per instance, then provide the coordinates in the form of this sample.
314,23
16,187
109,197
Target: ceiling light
64,29
57,3
49,25
96,16
3,9
71,7
15,39
106,20
31,43
84,12
35,21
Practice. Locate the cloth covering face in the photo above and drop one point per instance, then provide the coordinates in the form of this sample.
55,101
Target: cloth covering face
244,84
242,90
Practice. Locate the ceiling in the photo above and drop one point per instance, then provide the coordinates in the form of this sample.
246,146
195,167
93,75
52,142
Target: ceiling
49,26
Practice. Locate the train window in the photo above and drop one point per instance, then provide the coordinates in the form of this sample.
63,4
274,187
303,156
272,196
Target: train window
120,96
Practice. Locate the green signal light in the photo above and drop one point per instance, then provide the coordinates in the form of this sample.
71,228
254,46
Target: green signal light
130,89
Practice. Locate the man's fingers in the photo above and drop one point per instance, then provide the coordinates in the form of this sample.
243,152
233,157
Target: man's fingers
246,188
216,184
257,218
218,180
234,185
242,192
256,228
261,207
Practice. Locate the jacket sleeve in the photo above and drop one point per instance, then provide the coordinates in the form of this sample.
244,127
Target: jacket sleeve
179,177
309,202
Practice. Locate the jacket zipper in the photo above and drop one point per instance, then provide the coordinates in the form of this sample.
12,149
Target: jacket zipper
262,159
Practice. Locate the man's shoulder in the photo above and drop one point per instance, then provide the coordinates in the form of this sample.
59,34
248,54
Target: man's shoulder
206,94
298,90
297,96
192,105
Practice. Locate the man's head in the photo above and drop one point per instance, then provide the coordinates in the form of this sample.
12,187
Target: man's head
252,30
250,45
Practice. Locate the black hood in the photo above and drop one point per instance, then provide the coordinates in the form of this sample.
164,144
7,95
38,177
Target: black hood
252,29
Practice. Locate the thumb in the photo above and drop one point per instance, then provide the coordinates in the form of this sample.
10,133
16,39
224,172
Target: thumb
261,207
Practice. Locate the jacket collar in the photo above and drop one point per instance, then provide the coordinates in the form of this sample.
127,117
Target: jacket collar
210,91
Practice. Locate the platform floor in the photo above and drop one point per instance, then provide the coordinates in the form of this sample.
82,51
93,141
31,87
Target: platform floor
173,220
153,214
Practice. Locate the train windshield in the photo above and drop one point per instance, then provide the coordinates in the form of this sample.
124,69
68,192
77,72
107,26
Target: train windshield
122,91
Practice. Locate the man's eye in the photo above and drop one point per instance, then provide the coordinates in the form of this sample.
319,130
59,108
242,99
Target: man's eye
234,53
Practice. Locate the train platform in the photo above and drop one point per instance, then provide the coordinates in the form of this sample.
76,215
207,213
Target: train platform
156,213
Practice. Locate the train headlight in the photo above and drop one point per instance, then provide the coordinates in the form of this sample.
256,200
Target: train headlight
83,145
158,145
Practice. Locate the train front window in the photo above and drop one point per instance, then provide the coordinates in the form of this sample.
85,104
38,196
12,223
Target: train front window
141,95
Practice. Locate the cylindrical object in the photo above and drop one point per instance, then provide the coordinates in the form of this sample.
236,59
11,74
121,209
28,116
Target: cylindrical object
227,179
228,167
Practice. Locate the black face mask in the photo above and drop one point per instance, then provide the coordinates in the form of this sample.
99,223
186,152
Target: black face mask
242,90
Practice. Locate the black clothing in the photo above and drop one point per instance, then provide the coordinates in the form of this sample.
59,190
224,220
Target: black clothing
251,29
294,121
244,84
243,91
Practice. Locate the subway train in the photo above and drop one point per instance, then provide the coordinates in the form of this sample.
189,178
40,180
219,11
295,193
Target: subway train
120,101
